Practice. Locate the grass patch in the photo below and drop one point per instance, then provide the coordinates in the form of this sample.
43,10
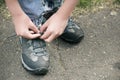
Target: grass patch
88,3
117,2
92,3
92,6
2,1
3,11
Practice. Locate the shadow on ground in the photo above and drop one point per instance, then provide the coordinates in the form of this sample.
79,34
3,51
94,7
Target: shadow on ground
97,57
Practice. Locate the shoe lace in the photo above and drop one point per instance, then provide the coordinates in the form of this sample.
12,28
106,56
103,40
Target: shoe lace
38,47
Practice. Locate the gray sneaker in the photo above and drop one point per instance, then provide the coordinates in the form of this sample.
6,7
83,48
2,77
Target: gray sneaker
73,32
34,56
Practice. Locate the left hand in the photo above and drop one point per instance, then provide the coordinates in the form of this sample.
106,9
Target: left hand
53,27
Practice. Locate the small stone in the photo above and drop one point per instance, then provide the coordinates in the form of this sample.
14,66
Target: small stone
12,74
104,17
91,36
104,52
101,7
113,13
95,73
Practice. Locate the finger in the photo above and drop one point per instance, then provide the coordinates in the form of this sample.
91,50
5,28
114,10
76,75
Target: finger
31,32
51,38
31,36
43,27
33,27
46,35
35,36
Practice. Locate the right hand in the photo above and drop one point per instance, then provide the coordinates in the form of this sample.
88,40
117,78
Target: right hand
24,27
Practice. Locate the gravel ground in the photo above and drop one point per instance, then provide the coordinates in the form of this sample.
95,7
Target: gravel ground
96,57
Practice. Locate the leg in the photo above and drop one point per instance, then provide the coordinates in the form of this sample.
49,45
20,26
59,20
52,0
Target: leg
34,54
35,57
73,32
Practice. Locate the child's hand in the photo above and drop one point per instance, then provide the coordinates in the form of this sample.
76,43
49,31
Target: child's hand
53,27
24,27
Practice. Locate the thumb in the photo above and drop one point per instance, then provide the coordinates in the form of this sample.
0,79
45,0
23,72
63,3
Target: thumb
31,36
44,27
34,36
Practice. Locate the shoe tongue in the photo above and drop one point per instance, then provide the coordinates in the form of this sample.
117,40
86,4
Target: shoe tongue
39,46
38,43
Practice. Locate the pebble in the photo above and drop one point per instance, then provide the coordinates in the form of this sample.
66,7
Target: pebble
113,13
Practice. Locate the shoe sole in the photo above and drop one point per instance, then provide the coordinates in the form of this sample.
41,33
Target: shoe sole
41,71
71,41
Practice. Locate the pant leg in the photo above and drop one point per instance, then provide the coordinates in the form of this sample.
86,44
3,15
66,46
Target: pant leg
52,3
34,8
